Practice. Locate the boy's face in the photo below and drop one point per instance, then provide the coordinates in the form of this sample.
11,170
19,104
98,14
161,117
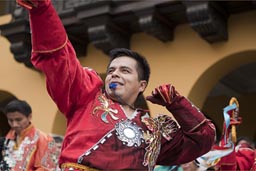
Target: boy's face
123,72
18,121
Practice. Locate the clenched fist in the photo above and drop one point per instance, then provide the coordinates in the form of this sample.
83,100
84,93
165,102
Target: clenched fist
163,95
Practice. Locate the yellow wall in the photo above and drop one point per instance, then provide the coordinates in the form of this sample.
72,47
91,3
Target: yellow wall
27,84
188,62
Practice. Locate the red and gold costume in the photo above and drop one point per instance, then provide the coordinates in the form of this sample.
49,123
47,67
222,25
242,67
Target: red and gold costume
33,150
99,134
242,156
226,156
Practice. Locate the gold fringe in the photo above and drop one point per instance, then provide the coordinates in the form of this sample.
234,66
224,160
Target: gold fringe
195,127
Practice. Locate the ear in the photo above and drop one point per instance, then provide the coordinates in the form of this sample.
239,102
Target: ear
143,85
30,116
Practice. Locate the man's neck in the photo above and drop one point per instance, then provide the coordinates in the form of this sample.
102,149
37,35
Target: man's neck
129,110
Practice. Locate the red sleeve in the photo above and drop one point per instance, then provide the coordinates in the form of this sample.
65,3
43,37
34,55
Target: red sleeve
68,83
48,33
242,159
195,138
254,164
228,162
245,158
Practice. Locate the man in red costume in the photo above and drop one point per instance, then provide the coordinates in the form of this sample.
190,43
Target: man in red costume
26,148
104,129
242,155
242,158
230,154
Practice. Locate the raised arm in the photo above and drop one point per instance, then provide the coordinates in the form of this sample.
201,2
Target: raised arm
196,135
68,83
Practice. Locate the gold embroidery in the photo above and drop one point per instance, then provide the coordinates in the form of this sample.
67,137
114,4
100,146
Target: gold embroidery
105,107
162,125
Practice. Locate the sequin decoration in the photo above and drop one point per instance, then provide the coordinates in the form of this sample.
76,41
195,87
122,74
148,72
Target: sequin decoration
15,157
129,133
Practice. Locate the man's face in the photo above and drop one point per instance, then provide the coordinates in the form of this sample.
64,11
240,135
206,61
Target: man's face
18,121
123,72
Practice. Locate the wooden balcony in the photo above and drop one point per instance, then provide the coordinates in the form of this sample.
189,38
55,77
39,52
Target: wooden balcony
110,24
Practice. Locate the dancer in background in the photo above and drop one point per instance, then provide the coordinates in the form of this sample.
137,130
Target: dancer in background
25,147
230,153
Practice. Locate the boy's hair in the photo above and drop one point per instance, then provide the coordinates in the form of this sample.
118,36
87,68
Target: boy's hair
247,139
143,67
18,106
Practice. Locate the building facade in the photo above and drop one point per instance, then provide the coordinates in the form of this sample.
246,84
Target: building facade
206,49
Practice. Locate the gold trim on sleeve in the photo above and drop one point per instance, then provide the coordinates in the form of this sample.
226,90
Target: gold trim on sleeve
52,50
198,125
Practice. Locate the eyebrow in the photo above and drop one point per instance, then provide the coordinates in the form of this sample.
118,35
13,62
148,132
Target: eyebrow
126,67
122,67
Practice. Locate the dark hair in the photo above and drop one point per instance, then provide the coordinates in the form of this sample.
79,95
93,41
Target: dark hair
247,139
142,64
57,139
18,106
